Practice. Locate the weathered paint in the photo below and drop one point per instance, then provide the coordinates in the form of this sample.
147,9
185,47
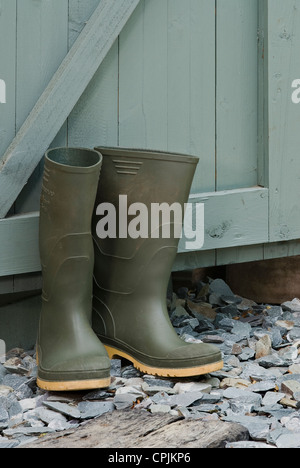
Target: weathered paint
60,96
206,77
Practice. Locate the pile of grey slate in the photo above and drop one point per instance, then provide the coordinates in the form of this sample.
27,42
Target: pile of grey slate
259,386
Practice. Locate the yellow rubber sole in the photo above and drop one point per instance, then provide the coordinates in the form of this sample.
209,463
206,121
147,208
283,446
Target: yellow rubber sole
165,372
73,385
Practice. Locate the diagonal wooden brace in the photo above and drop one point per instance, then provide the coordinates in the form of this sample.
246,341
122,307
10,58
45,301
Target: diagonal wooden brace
60,97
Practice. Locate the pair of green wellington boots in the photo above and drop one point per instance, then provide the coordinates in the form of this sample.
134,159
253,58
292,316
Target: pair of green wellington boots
106,270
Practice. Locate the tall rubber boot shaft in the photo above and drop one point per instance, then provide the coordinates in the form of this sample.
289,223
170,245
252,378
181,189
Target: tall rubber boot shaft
131,274
70,355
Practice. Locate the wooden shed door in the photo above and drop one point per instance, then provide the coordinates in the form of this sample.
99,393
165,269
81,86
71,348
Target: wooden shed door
188,82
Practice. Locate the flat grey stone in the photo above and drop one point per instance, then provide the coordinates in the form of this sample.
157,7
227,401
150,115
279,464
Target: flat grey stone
241,329
293,306
97,395
184,399
19,384
248,445
221,288
63,408
289,387
4,418
186,387
159,409
272,398
288,440
272,361
89,410
242,395
246,354
263,386
258,427
124,401
47,415
115,368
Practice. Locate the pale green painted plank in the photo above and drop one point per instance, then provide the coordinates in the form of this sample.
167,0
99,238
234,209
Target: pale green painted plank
237,93
22,254
282,249
202,92
231,218
94,119
284,119
42,44
263,101
19,245
8,74
191,260
191,85
180,38
7,71
60,97
143,87
79,13
245,253
167,87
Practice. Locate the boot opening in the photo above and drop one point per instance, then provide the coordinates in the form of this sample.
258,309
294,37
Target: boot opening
74,157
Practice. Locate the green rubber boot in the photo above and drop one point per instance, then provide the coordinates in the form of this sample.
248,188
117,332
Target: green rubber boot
70,356
131,275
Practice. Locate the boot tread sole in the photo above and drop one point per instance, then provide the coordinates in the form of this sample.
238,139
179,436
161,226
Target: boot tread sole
165,372
74,385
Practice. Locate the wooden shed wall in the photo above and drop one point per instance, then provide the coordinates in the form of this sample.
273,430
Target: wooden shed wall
205,77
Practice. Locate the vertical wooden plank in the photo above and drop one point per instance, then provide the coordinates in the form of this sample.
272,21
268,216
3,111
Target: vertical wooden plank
7,71
42,41
179,75
167,85
284,119
263,89
8,28
191,85
143,112
94,120
237,94
167,81
202,95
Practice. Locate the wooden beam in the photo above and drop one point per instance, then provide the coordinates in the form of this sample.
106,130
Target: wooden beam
233,218
19,240
60,97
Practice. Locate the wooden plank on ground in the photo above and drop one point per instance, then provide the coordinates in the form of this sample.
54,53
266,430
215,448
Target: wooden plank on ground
60,96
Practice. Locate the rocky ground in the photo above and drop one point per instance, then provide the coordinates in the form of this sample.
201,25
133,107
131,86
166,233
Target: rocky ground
253,402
